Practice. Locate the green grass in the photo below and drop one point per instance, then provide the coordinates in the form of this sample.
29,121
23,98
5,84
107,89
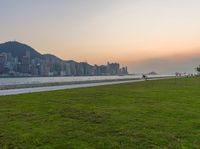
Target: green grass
151,114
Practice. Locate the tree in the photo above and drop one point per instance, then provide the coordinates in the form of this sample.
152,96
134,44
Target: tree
198,69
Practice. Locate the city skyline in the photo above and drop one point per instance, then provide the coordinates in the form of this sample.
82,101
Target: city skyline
145,35
20,60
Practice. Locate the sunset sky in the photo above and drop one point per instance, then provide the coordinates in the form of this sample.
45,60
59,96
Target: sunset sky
146,35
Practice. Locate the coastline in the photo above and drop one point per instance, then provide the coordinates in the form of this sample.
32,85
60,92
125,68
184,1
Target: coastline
34,85
19,86
54,87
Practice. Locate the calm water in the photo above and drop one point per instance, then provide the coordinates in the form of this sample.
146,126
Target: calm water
39,80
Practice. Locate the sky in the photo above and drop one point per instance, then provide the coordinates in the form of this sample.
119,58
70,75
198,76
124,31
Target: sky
145,35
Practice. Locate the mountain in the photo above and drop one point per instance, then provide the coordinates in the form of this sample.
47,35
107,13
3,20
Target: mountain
19,50
52,58
152,73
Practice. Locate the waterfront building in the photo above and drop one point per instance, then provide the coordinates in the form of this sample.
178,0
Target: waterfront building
50,65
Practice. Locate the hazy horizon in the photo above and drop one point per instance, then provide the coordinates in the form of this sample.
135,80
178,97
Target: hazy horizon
157,35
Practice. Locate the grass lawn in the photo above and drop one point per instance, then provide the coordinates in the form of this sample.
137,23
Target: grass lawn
151,114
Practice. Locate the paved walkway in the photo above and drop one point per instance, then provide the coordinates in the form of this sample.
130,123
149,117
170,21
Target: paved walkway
53,88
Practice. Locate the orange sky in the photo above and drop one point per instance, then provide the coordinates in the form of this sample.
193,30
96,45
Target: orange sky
125,31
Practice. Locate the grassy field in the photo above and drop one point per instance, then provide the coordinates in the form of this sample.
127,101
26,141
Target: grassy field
151,114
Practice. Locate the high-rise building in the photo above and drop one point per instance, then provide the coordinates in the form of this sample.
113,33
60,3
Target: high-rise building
2,63
25,63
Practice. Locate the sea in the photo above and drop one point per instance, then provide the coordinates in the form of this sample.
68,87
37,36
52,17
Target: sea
41,80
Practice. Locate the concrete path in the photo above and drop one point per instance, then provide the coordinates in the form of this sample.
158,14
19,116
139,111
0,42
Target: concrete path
61,87
53,88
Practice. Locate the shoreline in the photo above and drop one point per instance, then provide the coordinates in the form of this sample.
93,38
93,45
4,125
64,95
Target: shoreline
35,85
19,86
61,76
29,89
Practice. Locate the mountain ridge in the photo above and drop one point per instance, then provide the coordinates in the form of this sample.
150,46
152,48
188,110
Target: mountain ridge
18,49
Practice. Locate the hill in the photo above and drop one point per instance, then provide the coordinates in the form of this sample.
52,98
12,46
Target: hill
52,58
18,49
